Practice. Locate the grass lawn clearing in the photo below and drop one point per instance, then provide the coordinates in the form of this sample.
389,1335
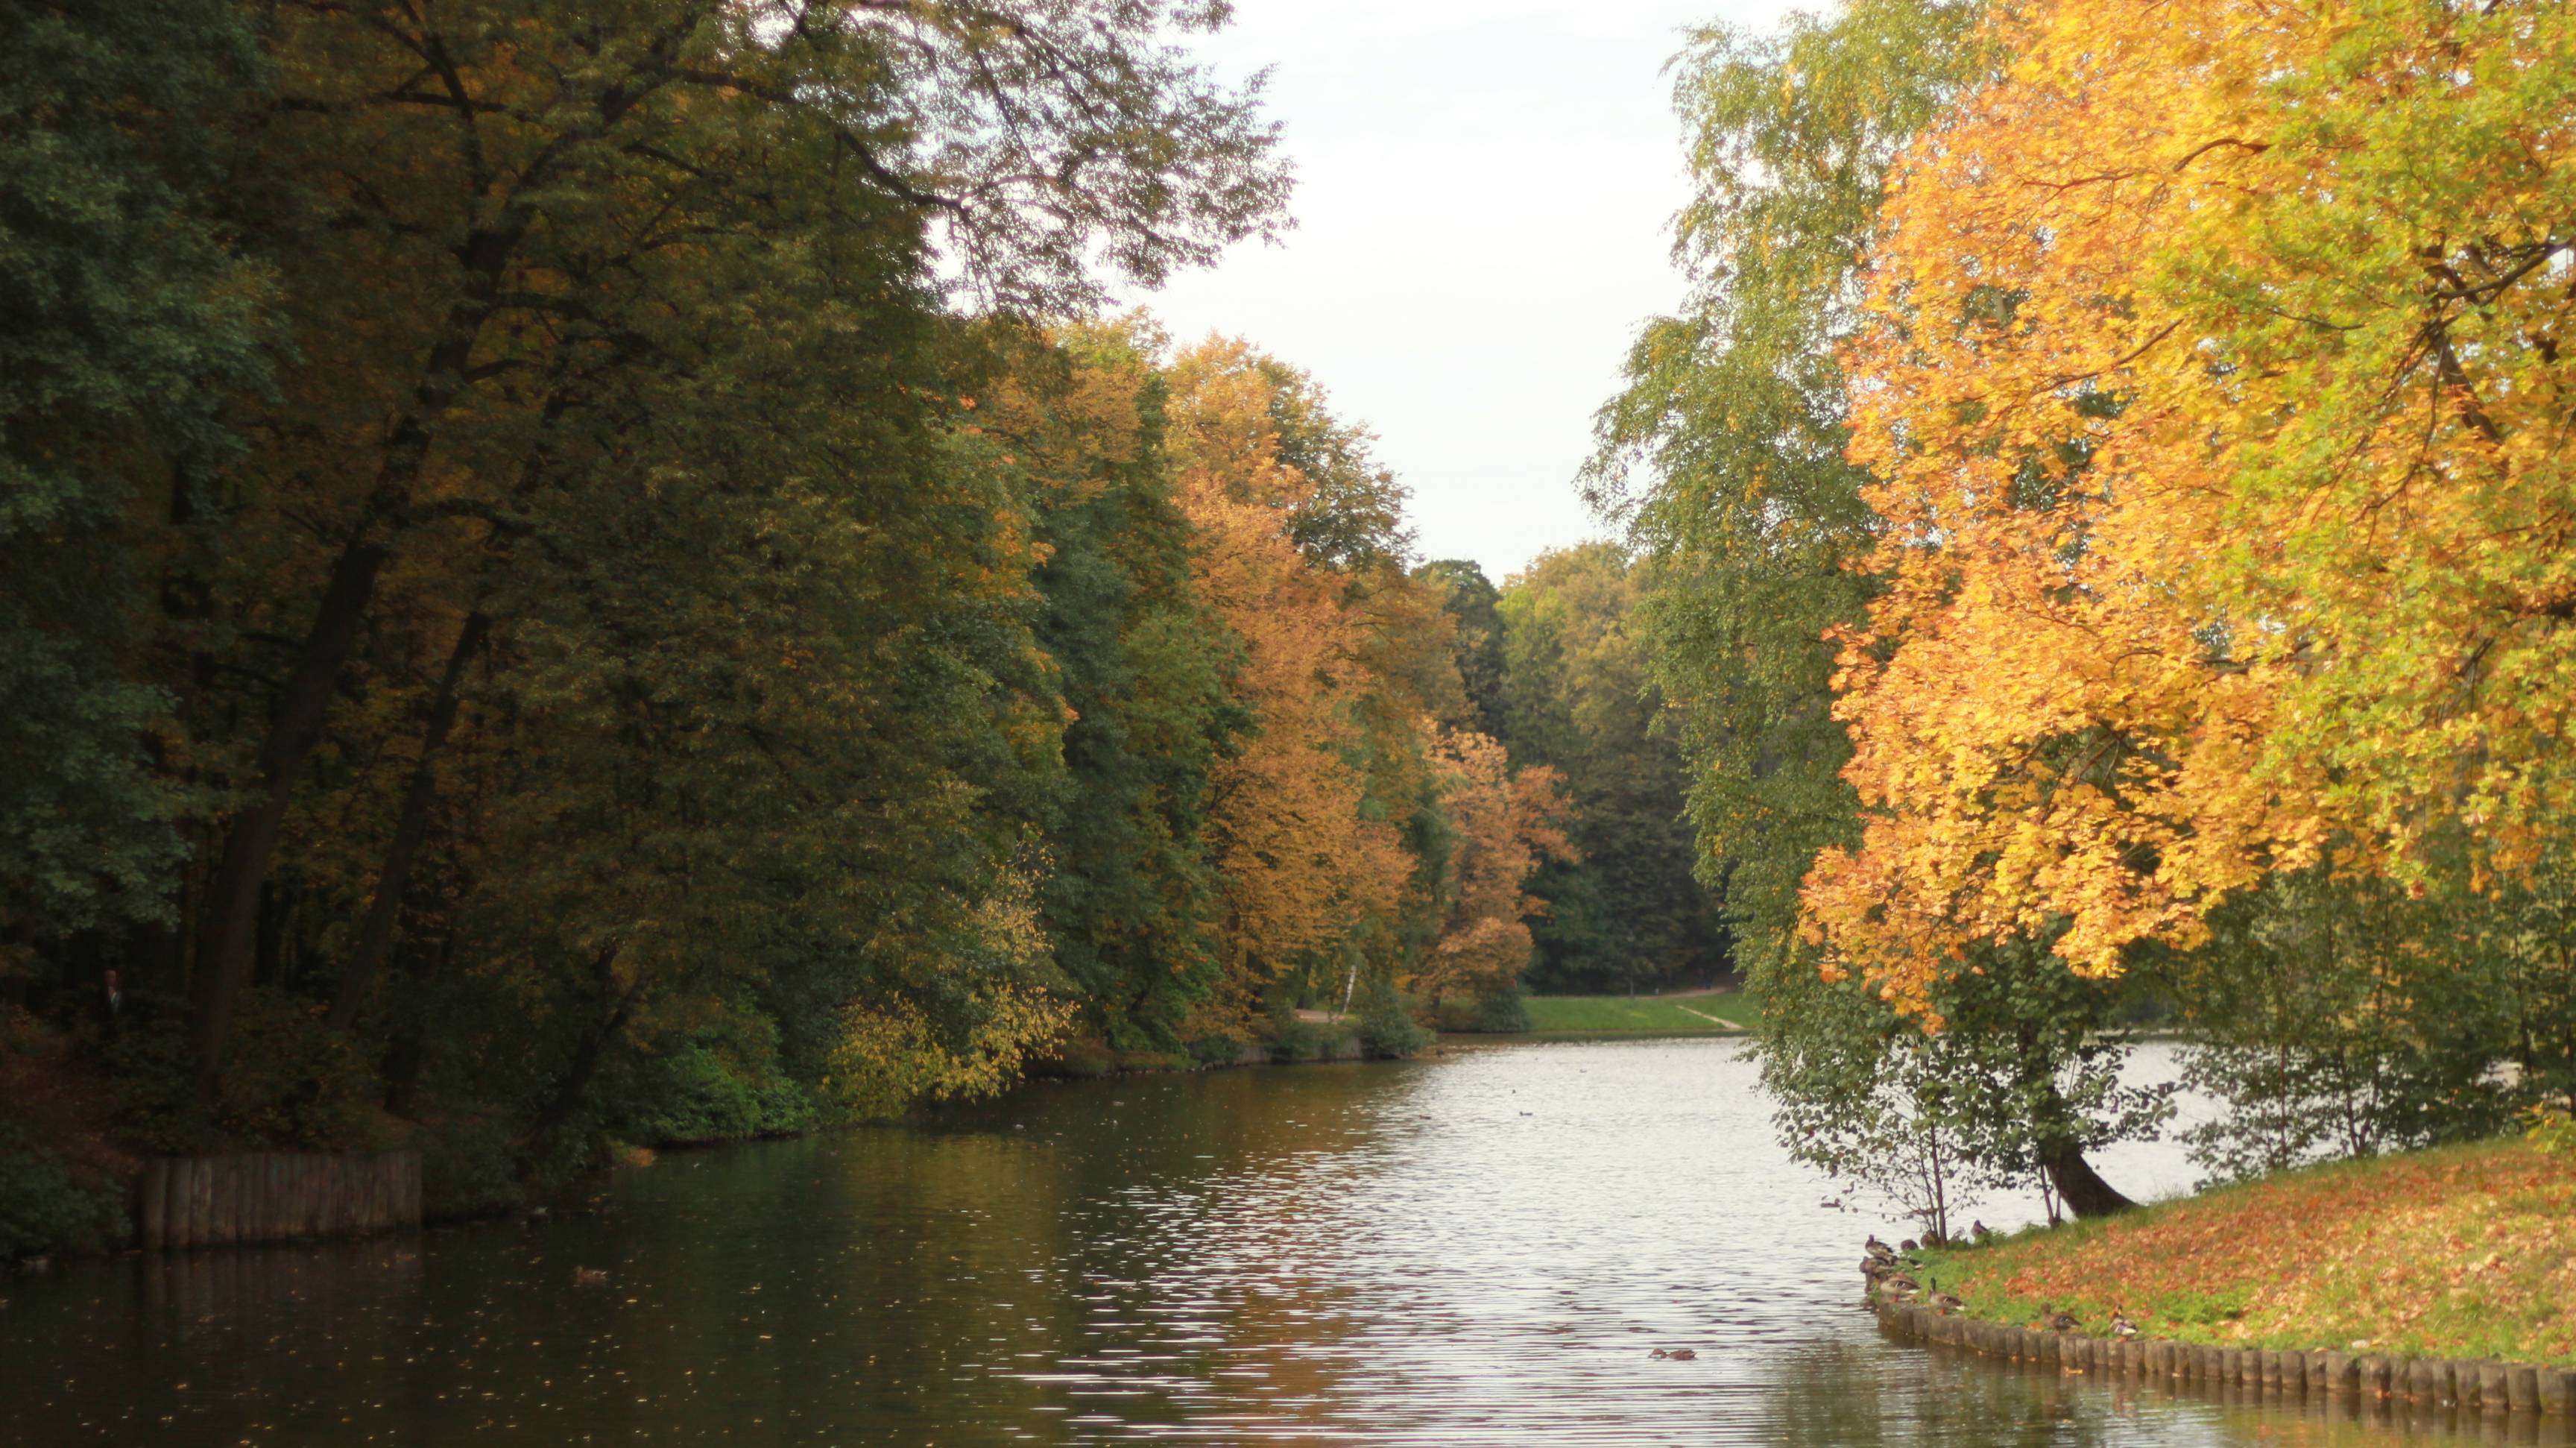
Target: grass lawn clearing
1702,1013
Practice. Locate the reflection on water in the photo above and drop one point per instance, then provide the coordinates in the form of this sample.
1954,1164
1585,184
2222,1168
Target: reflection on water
1478,1250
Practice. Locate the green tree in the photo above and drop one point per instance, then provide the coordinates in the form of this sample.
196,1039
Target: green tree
507,239
1473,604
1581,698
1725,456
1129,898
131,321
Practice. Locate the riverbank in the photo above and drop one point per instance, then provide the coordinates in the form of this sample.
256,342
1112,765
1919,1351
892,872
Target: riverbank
2464,1252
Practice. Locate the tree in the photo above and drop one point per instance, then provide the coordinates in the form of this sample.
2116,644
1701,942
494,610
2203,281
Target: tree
1473,603
1734,411
1506,821
131,322
1145,667
1581,698
2208,383
501,234
1754,514
1305,865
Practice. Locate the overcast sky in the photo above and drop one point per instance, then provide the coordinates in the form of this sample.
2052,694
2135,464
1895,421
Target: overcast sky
1483,206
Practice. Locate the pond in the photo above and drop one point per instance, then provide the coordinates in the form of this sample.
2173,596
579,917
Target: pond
1481,1249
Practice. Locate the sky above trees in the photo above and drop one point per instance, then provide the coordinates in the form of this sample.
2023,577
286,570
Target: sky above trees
1477,239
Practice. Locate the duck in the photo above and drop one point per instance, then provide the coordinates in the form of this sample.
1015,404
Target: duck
1873,1269
1944,1303
1979,1231
2056,1321
1677,1355
2121,1326
1831,1204
1909,1246
589,1277
1878,1248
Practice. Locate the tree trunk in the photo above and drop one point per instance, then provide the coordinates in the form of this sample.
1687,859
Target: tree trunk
295,726
2080,1187
376,936
585,1063
410,1050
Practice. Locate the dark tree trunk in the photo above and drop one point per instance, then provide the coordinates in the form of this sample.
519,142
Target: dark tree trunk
585,1063
410,1052
376,936
224,954
2081,1188
295,725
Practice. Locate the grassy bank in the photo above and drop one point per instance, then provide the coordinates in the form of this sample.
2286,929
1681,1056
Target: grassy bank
1705,1013
2464,1252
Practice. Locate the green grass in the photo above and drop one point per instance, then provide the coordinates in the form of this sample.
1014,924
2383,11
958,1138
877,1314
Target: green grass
1686,1015
2462,1252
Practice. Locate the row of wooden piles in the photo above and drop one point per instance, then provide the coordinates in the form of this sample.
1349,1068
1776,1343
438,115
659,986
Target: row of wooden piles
274,1196
2469,1385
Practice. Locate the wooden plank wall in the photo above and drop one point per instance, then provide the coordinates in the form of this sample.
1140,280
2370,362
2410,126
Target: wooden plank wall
274,1196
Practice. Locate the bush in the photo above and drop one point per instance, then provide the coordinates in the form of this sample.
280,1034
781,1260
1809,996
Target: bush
1506,1012
1386,1025
2553,1128
154,1084
468,1167
44,1208
289,1081
710,1095
1078,1058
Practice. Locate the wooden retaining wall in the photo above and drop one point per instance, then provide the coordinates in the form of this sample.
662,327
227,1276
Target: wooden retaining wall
2465,1386
274,1196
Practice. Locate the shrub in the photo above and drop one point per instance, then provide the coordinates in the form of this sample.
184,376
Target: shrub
289,1081
45,1208
706,1094
1386,1025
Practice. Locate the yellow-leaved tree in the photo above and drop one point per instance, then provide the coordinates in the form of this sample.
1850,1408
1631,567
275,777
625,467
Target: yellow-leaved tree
2217,396
1302,861
1504,823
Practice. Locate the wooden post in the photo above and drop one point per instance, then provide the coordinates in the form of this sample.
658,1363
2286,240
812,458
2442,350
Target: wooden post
2555,1390
201,1201
2522,1388
228,1199
151,1208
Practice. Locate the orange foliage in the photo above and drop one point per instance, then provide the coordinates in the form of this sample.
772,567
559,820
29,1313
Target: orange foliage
1302,863
2467,1252
2215,400
1504,822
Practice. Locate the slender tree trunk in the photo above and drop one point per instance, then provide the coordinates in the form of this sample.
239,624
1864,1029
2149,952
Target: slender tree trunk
225,952
2080,1187
295,725
376,936
410,1052
585,1064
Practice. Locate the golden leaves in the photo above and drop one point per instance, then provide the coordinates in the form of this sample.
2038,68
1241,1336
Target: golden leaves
2214,475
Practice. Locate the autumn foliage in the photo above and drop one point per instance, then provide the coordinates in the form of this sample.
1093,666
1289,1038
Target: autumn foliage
2464,1253
1302,862
2214,394
1505,823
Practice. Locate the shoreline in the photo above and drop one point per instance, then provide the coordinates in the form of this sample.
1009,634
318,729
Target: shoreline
2324,1378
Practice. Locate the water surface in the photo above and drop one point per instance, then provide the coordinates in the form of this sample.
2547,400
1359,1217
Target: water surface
1477,1250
